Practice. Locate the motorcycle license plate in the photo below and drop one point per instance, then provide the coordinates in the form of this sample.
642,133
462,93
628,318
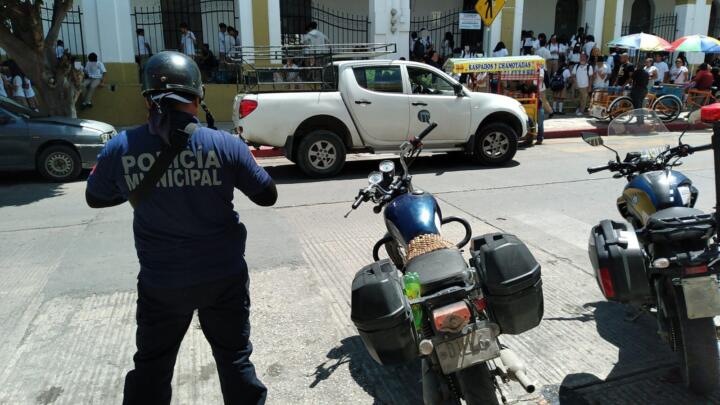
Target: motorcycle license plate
476,345
702,297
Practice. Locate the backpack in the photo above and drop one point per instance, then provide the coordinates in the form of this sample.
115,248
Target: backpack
419,49
557,82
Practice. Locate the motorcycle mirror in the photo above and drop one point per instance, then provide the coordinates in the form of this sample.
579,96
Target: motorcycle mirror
592,139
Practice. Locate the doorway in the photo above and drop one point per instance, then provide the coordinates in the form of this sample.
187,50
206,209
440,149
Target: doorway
566,18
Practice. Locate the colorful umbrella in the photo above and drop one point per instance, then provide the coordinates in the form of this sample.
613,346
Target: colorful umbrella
642,42
695,43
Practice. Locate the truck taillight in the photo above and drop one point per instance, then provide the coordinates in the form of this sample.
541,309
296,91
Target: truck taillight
246,107
606,282
451,318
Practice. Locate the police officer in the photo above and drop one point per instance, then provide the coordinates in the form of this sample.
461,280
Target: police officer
189,240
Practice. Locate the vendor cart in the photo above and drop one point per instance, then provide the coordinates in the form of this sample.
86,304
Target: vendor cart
516,76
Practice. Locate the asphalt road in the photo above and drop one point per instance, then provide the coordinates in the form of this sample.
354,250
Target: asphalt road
67,279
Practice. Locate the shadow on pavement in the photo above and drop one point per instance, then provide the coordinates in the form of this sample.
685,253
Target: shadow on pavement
386,384
359,169
646,369
22,188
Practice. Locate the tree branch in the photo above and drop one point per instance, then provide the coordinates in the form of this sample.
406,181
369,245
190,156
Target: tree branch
11,44
60,10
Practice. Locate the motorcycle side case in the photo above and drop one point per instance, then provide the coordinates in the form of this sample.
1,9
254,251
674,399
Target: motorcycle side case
382,315
511,281
615,249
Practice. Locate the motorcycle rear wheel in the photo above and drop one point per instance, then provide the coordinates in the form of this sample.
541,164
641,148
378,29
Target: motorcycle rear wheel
698,348
477,385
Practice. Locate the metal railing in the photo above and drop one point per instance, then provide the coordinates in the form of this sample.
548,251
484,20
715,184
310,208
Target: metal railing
71,30
664,26
337,26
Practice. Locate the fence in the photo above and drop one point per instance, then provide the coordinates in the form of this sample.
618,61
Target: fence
161,23
664,26
339,27
440,23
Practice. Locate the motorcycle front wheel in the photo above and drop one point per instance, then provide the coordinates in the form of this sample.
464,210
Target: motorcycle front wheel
698,346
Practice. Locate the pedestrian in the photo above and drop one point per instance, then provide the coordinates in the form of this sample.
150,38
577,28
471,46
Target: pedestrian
662,68
4,81
94,78
578,37
679,72
528,47
315,39
575,53
189,240
144,50
425,37
559,83
222,40
500,50
600,75
207,62
543,51
187,40
556,50
581,74
589,45
639,89
434,60
624,71
30,98
59,49
703,80
652,72
17,80
448,44
543,105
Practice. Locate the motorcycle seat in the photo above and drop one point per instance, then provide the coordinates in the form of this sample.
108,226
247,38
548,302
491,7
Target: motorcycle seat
679,223
439,269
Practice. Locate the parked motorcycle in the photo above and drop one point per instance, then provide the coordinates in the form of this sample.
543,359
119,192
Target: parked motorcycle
664,259
427,302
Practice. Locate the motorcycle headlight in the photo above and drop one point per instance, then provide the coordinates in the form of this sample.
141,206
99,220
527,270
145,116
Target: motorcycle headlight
685,195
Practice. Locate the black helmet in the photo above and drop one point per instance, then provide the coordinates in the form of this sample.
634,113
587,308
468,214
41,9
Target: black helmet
172,71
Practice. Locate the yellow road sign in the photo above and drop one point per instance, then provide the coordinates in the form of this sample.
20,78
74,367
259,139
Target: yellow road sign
489,9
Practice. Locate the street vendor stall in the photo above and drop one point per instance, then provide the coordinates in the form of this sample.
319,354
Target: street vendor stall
516,76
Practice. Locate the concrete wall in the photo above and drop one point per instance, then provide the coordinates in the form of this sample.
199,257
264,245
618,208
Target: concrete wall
427,7
539,16
357,7
658,7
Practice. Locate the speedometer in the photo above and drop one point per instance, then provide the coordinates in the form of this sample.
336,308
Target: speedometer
375,178
387,166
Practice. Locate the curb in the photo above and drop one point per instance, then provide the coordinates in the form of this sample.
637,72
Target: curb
577,132
267,152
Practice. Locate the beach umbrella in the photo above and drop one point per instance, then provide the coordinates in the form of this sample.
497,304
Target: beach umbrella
695,43
642,42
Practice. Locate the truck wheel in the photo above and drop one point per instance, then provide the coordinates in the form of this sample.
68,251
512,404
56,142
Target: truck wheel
496,144
59,163
321,153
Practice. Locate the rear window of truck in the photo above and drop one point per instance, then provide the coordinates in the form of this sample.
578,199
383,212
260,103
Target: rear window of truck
386,79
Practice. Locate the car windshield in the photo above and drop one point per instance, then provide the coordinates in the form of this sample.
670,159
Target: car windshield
641,131
15,108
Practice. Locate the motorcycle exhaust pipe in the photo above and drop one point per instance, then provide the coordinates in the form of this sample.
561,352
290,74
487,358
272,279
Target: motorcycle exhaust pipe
516,369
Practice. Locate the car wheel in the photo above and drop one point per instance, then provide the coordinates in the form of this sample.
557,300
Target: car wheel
496,144
321,153
59,163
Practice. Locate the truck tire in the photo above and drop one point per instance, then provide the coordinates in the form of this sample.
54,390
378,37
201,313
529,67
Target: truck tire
698,349
59,163
320,153
496,144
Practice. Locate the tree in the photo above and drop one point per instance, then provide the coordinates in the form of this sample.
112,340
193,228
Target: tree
23,39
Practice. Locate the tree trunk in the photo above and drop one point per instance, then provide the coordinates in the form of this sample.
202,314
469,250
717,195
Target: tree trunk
58,99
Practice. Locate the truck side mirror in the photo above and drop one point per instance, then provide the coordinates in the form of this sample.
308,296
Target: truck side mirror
458,89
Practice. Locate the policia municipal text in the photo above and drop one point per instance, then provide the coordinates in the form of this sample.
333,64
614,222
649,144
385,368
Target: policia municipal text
180,178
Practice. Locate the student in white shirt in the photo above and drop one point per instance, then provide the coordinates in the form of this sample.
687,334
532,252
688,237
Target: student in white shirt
652,72
144,51
500,50
543,51
94,78
222,41
589,45
316,39
556,51
679,72
662,68
529,44
60,49
600,77
582,73
16,83
187,40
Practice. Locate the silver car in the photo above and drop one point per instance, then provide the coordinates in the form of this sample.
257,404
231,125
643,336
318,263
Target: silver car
58,147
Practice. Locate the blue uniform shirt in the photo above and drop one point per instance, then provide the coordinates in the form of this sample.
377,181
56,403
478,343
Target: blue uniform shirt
186,230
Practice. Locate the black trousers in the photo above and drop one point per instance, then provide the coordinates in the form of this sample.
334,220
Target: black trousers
163,317
638,97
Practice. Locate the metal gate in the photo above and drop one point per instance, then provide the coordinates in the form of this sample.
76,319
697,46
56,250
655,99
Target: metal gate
664,26
440,23
161,23
71,31
339,27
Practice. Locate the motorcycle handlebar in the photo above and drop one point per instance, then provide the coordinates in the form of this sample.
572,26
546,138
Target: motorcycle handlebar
426,131
592,170
700,148
358,200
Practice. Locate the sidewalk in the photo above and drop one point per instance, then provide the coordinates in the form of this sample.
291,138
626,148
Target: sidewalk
570,126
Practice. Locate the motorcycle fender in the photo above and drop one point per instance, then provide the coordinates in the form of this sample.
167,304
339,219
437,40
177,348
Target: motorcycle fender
702,296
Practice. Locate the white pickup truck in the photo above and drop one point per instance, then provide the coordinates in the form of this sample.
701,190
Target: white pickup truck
375,105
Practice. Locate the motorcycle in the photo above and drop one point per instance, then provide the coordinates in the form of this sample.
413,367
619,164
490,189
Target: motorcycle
427,302
664,259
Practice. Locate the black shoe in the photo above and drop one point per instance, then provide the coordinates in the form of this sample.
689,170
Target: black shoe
538,142
551,115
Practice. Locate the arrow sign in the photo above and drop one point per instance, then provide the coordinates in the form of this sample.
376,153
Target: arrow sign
488,10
